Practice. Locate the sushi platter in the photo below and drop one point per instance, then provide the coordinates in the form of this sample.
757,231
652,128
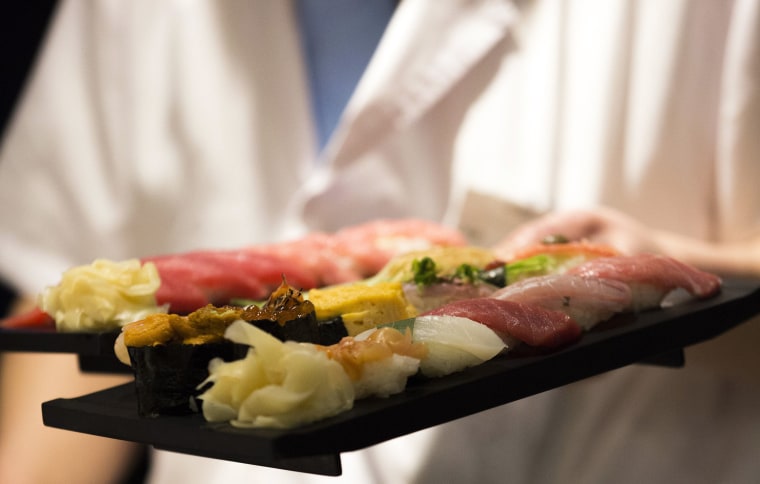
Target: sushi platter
656,336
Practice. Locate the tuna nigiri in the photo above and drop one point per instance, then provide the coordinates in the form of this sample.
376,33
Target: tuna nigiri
532,325
651,277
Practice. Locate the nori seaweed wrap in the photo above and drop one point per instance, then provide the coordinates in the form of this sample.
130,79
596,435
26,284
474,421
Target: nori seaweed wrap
167,376
170,353
289,317
331,331
170,356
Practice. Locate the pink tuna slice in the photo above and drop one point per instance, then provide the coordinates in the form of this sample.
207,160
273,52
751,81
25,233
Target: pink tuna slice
192,280
532,325
656,270
371,245
318,254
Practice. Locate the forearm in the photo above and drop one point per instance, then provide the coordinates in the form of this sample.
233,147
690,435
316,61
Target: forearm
736,258
33,453
630,236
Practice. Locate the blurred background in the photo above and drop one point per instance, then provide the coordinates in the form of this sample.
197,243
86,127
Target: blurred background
22,28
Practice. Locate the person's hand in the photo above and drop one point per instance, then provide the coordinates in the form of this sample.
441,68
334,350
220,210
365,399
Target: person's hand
601,225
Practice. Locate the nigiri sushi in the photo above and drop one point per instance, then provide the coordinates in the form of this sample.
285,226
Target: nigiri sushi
453,343
361,306
551,258
426,298
566,250
434,277
587,300
532,325
444,263
651,277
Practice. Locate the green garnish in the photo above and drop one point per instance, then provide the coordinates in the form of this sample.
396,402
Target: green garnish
424,271
466,272
536,265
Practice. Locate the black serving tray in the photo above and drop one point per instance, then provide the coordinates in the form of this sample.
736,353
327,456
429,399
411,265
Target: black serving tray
95,350
654,336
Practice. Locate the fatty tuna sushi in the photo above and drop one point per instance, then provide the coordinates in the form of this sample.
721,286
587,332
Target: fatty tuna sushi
651,277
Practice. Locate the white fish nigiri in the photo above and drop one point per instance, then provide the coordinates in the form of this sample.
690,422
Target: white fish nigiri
453,343
588,301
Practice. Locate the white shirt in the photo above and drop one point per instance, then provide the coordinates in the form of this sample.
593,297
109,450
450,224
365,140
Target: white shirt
190,129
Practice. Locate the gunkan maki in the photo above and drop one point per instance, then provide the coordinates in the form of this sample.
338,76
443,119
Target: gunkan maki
170,353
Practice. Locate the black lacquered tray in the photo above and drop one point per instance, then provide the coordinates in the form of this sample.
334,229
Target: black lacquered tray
651,336
95,350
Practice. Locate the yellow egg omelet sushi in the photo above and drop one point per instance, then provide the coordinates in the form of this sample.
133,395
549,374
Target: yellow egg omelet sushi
362,306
